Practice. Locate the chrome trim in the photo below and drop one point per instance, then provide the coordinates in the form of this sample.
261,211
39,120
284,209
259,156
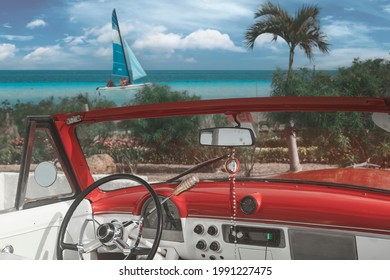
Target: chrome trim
25,164
108,233
73,119
112,212
8,249
289,222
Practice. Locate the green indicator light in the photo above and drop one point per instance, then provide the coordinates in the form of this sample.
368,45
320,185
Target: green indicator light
269,236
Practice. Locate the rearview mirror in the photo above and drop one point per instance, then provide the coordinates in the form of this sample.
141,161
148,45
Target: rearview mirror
227,137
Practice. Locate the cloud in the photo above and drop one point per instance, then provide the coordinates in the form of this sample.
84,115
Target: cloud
44,53
184,14
102,35
264,41
103,52
36,23
7,25
16,37
386,9
221,9
344,56
327,18
342,28
209,39
190,60
79,51
93,36
158,40
7,51
202,39
74,40
349,34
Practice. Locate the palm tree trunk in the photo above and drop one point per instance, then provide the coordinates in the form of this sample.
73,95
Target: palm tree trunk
293,150
290,61
291,135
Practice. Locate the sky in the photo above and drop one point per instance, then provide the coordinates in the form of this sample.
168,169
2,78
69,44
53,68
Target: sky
181,34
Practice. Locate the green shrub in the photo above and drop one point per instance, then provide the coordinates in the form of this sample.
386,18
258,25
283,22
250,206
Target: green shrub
171,139
10,150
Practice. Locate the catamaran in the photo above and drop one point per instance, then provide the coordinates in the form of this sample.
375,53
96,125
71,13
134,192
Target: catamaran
125,64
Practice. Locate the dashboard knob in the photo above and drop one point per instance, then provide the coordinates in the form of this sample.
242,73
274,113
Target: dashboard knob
215,246
240,235
212,230
201,245
199,229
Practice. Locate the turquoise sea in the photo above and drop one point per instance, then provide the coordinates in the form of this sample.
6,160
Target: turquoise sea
32,86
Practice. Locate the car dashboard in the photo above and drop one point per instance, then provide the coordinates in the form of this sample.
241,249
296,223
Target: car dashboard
274,221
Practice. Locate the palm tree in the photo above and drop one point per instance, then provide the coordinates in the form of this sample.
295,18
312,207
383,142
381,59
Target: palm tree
301,30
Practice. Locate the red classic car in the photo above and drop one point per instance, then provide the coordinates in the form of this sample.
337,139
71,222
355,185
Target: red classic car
251,178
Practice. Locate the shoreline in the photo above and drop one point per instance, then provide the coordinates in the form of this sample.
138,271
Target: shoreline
35,85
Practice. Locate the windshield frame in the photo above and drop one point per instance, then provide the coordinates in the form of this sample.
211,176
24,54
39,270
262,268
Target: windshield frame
231,106
66,123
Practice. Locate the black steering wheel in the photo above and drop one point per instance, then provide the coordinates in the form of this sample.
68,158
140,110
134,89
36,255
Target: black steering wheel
112,234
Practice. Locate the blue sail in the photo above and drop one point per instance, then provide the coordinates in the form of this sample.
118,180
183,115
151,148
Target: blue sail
119,60
137,71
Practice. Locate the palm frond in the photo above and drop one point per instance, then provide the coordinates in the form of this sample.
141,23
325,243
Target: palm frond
270,10
267,27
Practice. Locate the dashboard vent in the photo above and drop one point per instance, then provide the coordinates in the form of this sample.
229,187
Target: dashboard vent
248,205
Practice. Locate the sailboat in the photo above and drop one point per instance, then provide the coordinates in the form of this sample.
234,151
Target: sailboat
125,64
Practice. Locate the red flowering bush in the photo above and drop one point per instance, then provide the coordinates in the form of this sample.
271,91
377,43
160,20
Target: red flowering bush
126,151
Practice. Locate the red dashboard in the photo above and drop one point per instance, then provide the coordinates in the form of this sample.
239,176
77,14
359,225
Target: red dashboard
284,203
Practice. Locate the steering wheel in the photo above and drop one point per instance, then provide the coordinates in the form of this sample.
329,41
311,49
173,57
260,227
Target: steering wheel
112,234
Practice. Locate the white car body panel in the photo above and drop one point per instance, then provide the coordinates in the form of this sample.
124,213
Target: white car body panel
33,232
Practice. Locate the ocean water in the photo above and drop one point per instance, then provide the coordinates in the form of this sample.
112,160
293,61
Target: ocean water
32,86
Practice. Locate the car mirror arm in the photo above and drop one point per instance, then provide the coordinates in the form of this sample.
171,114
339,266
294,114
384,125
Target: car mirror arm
196,167
184,186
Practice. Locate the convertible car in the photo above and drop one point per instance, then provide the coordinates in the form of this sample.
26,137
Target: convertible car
274,178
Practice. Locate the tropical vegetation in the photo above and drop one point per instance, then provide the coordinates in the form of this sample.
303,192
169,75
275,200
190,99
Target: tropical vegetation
350,135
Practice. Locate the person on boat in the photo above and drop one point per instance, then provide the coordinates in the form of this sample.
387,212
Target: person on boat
124,82
110,83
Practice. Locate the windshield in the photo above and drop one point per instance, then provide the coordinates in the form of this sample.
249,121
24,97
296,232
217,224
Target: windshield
346,148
